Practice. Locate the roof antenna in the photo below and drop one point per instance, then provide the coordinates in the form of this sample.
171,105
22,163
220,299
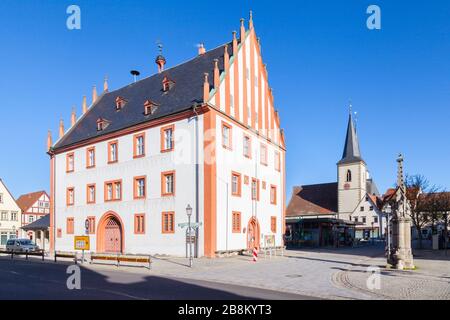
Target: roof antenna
135,74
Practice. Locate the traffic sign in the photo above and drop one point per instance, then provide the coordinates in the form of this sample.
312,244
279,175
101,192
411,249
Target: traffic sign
81,243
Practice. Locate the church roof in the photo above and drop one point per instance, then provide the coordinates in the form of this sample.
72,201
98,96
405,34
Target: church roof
313,200
188,79
351,148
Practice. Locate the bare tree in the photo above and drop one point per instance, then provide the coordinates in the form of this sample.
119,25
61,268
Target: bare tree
417,188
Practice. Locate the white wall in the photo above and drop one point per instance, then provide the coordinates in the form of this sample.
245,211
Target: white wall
8,227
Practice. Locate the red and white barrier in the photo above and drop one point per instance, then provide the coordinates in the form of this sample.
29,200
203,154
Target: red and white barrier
255,255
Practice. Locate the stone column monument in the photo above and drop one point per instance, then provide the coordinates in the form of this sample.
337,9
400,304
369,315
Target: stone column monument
401,255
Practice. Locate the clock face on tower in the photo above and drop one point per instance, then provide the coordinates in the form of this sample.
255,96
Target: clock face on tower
347,186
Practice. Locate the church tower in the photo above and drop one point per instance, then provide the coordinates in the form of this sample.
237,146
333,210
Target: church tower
352,174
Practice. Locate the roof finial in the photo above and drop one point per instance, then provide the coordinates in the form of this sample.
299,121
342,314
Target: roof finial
350,106
73,117
61,128
105,84
160,60
84,105
94,94
250,21
49,140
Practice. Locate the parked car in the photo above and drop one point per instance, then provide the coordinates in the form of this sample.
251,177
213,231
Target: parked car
21,245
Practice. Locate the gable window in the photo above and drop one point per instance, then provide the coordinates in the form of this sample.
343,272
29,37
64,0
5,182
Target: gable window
70,226
139,145
30,219
247,146
113,190
139,223
70,196
236,184
371,208
4,216
139,187
364,219
14,216
375,219
91,225
113,151
349,176
277,161
361,209
263,155
255,189
356,219
167,84
168,222
226,136
273,194
90,157
168,183
120,103
273,224
167,138
90,194
70,162
236,222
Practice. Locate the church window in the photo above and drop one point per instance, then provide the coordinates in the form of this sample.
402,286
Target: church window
349,176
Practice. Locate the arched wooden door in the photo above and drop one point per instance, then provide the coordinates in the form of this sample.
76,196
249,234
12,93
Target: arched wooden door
113,236
253,234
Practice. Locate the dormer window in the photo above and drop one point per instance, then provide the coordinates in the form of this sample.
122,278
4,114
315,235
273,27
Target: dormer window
167,84
120,103
102,124
150,107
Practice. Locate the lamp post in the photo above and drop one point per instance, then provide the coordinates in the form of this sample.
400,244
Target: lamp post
189,214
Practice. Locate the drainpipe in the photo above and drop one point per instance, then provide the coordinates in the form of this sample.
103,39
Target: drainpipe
197,215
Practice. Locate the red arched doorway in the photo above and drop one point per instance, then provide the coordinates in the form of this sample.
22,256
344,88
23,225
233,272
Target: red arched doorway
253,240
110,234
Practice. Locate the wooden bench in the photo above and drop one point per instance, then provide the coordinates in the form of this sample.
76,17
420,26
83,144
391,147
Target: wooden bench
121,258
67,255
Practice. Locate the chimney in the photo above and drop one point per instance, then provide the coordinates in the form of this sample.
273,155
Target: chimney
105,84
94,94
61,128
226,58
216,74
201,49
73,117
84,105
49,140
206,89
235,44
242,30
250,21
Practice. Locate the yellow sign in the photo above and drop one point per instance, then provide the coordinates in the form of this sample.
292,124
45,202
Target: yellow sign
82,243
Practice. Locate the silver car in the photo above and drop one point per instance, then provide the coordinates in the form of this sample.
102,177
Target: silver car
21,245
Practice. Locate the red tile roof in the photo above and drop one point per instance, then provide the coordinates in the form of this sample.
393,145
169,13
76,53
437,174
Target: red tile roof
313,200
25,201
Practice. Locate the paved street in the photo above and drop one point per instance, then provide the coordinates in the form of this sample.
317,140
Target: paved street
300,274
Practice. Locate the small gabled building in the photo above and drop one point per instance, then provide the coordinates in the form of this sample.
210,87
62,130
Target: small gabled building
10,215
34,206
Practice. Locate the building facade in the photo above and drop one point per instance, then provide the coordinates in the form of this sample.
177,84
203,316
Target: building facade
34,206
10,216
203,134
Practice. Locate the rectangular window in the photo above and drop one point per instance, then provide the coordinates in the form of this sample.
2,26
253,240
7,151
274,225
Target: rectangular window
236,222
70,162
356,219
277,161
139,187
14,216
255,189
70,196
1,197
91,227
273,194
30,219
263,155
167,183
364,220
90,157
113,190
236,184
90,194
375,219
139,223
273,224
168,222
361,209
70,226
226,136
371,208
4,216
139,145
247,146
113,151
167,138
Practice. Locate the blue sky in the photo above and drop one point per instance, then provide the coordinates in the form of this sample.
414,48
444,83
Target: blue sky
319,54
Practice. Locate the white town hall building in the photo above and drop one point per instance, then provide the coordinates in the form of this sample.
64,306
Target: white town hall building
204,133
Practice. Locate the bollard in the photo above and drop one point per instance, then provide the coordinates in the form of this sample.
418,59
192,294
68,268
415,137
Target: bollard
255,255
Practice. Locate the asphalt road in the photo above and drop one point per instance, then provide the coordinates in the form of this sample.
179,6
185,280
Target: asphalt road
24,280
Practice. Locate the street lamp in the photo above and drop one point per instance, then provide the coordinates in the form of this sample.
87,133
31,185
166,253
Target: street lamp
189,214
